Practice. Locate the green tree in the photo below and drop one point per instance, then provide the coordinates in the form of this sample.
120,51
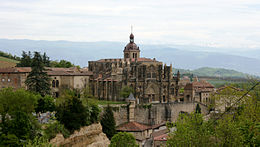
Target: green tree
125,92
38,80
17,122
239,125
61,63
26,60
53,129
108,122
46,60
45,104
72,114
123,139
191,130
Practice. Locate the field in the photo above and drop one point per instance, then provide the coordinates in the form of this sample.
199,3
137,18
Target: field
5,62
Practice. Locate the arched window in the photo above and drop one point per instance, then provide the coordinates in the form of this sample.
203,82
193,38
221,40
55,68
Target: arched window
126,55
57,83
53,83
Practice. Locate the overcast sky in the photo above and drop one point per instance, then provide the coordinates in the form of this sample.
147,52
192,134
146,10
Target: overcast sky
215,23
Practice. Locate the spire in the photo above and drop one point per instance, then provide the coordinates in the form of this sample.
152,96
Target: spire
131,35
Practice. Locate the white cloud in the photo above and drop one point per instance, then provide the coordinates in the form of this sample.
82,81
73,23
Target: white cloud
220,23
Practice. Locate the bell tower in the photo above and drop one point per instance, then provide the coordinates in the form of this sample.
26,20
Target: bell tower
131,50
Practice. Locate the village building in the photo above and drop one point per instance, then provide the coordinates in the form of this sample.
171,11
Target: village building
226,96
150,79
60,78
199,91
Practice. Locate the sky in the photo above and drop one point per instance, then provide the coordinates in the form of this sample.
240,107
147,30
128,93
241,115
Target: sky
232,24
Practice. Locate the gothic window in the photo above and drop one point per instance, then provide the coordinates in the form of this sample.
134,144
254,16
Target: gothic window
148,75
57,83
153,97
172,90
53,83
164,99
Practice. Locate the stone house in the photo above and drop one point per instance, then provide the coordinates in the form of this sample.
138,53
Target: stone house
226,96
150,79
199,91
60,78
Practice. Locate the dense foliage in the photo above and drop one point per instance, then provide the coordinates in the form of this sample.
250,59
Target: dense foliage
17,123
61,63
45,104
240,126
27,60
9,56
38,81
108,122
125,92
54,128
123,139
73,113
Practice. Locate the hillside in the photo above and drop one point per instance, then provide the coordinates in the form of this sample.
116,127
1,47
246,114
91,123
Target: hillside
5,62
214,72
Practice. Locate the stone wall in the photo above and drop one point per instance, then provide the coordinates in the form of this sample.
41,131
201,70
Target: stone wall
157,113
90,136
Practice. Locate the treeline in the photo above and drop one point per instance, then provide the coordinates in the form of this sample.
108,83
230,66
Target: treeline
9,56
27,59
237,125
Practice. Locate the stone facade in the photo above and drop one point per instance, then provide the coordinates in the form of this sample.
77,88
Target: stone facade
60,78
199,91
157,113
150,79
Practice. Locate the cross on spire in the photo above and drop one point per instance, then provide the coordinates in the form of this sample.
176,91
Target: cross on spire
131,29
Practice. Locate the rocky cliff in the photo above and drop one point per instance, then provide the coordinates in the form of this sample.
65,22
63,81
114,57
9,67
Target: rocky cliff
90,136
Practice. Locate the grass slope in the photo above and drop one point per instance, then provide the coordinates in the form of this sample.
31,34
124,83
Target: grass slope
5,62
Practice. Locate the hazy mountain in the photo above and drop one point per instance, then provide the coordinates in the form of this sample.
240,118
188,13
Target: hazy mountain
82,52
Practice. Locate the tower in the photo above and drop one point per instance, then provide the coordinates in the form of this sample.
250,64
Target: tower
131,50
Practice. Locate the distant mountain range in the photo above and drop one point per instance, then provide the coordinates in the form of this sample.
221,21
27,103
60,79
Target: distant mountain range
81,52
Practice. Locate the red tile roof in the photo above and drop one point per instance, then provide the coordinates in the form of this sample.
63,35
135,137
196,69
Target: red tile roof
161,137
132,127
201,85
159,133
51,71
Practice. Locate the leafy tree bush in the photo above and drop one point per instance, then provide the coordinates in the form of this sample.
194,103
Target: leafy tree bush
191,130
38,80
45,104
38,142
123,139
125,92
61,63
237,127
16,109
26,60
72,114
53,129
9,140
108,122
94,114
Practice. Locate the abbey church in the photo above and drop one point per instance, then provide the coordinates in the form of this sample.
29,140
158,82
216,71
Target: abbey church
150,79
